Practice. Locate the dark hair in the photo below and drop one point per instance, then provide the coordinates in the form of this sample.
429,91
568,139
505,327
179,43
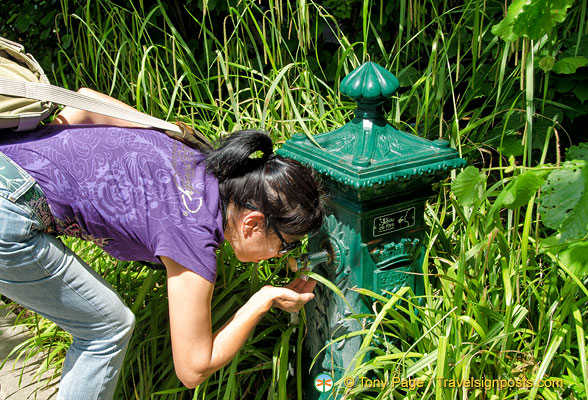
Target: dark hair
251,176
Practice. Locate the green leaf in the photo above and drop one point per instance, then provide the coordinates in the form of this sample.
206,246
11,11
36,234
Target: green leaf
564,200
547,63
581,92
569,65
23,22
468,186
579,152
66,41
552,244
531,18
408,76
330,285
539,17
575,258
511,146
520,190
504,29
564,85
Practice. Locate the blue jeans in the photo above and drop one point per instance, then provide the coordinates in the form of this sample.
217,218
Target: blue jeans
38,271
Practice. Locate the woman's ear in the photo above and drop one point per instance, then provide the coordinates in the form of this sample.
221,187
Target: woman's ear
252,222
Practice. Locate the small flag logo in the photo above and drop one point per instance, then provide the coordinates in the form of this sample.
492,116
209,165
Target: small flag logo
323,383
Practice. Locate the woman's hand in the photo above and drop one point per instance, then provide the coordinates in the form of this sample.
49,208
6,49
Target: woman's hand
291,297
197,351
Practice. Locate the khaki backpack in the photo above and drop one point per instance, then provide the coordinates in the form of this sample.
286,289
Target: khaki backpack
21,113
27,97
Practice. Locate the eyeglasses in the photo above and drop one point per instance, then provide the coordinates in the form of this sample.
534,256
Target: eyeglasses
286,247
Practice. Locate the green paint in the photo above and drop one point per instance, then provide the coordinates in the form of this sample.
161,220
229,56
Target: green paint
368,152
377,181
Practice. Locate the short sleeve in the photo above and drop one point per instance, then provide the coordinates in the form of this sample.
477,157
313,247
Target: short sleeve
195,251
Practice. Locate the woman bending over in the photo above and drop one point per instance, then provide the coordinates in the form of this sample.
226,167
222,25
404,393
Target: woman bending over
141,195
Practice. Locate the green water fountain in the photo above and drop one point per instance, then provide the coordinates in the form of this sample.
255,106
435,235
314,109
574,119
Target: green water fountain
377,180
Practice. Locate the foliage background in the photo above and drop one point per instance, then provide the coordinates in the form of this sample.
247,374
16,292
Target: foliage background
505,83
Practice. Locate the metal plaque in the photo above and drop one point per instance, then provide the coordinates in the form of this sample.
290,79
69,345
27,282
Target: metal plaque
395,221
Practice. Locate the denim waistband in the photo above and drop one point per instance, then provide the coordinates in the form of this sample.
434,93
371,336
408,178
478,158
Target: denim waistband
17,185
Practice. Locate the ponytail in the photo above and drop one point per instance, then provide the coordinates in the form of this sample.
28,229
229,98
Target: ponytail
239,153
251,176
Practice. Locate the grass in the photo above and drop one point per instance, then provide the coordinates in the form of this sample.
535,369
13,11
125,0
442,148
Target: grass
499,302
487,313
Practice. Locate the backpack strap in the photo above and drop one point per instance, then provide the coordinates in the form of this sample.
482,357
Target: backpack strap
59,95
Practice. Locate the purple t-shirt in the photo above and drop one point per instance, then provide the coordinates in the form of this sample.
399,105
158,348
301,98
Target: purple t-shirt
136,193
